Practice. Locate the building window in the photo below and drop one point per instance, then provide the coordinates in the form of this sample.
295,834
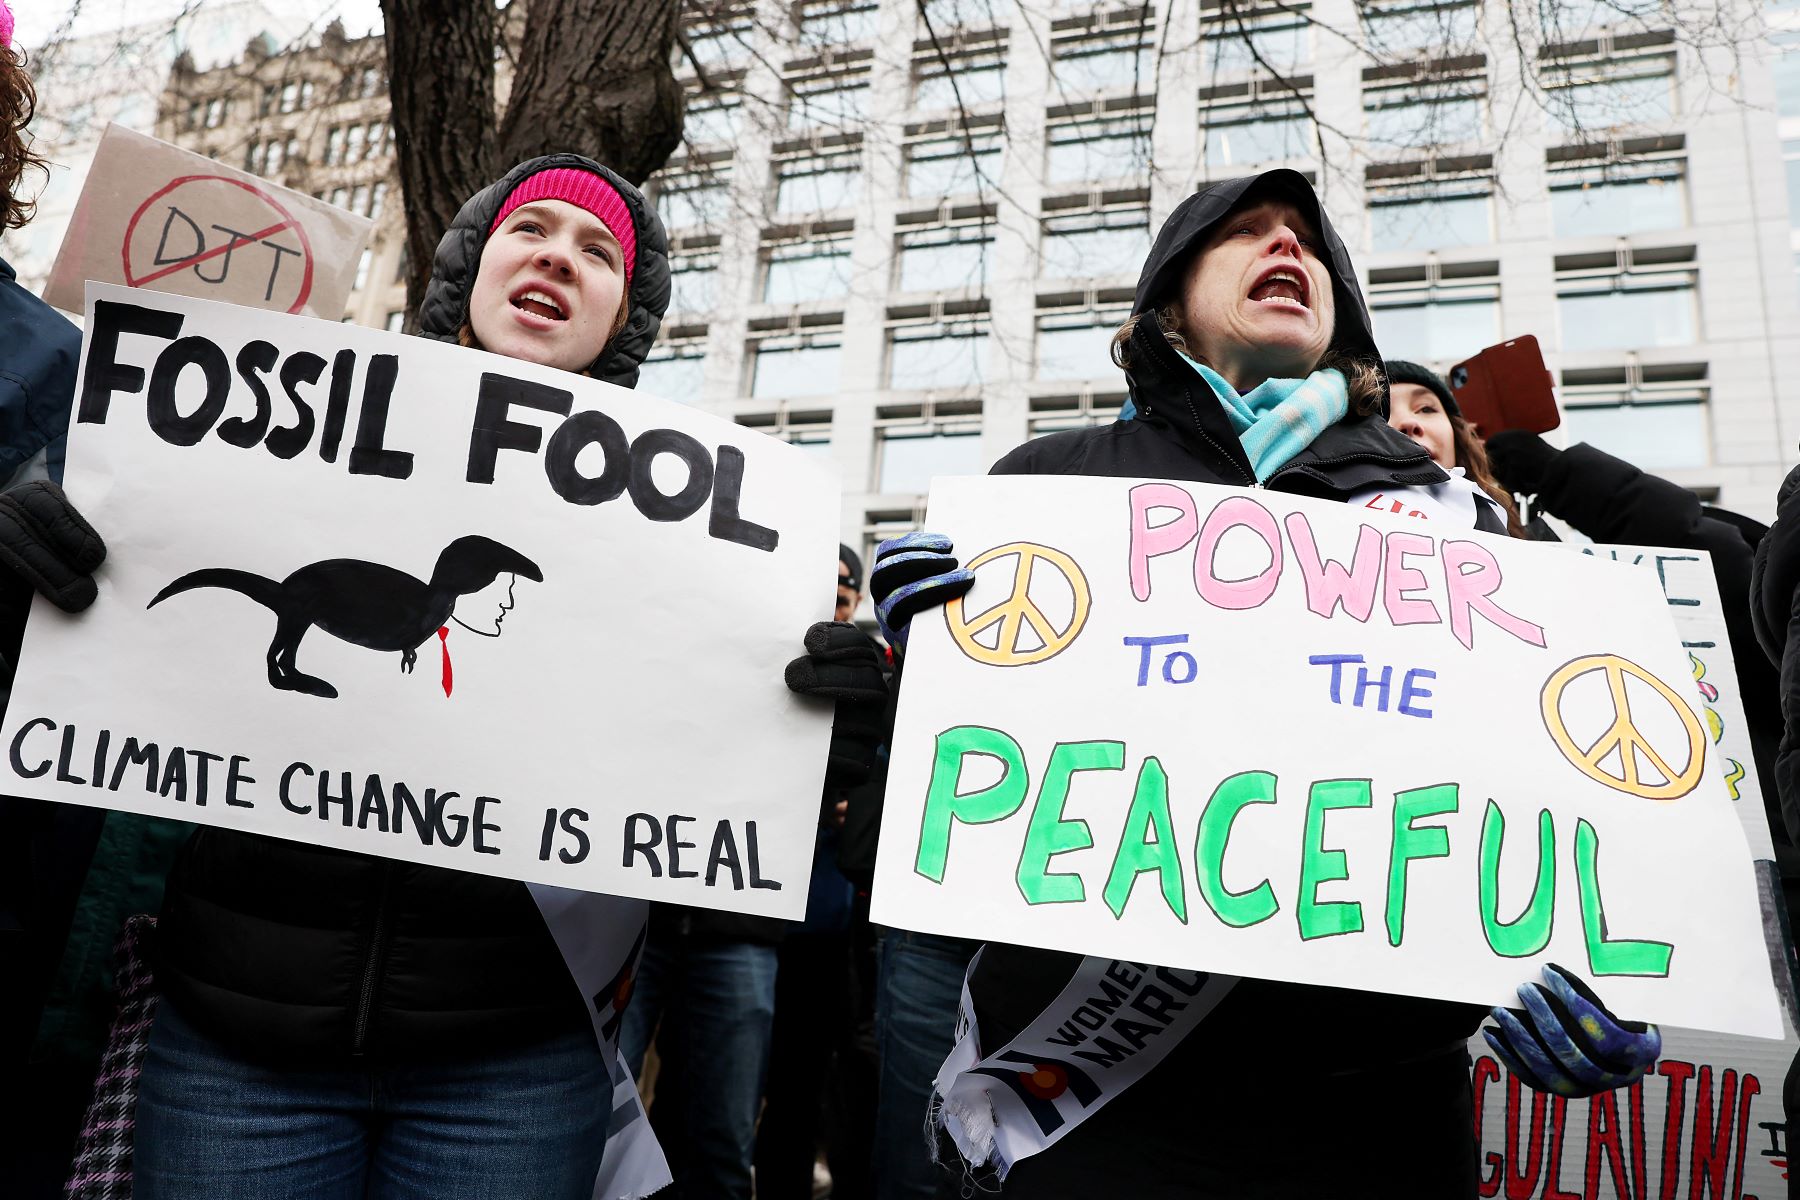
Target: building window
339,198
914,452
794,366
942,258
1247,134
1599,97
1627,309
1106,148
712,123
938,356
271,96
353,143
1656,425
674,370
834,23
1431,216
817,184
1413,117
1406,29
362,269
715,45
942,16
1078,345
807,272
1570,18
1441,322
1114,62
1094,244
359,198
1277,43
830,100
378,200
953,166
378,139
396,321
976,80
1786,69
694,201
1617,199
1053,414
216,108
334,146
1790,155
810,432
694,280
369,82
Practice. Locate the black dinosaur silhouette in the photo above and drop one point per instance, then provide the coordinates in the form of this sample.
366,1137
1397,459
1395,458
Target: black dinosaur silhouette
363,603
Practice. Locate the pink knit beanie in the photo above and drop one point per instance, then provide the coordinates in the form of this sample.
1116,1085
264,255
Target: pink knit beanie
584,190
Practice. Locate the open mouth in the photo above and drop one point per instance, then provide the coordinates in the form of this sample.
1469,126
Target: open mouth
1281,286
539,304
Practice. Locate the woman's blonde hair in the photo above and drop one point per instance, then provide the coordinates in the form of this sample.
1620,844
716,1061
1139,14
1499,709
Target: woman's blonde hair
1366,382
466,335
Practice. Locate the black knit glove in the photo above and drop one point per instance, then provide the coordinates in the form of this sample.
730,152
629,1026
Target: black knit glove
1521,460
841,664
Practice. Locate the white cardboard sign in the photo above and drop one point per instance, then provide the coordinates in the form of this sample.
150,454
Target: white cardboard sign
152,215
1262,735
1706,1121
399,597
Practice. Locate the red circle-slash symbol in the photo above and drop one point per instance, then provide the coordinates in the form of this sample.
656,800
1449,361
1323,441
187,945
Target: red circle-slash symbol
203,204
1046,1081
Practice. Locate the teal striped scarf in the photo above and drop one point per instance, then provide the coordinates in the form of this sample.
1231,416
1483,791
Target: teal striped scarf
1279,418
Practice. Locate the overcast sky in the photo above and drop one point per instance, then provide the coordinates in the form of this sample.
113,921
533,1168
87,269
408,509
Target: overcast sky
38,20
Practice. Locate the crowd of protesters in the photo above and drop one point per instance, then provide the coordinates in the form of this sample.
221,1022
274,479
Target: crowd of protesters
308,1022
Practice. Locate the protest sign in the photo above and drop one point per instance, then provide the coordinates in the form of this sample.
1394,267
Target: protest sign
395,596
1706,1121
152,215
1263,735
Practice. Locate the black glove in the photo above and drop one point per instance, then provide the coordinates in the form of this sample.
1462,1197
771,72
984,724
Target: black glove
843,665
1521,460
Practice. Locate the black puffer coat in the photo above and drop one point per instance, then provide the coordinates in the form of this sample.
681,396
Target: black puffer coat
287,951
1284,1089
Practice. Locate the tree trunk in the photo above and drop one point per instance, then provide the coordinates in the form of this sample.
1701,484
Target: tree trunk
593,77
440,56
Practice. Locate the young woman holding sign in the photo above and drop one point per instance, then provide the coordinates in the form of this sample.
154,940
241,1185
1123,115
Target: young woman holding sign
337,1025
1251,363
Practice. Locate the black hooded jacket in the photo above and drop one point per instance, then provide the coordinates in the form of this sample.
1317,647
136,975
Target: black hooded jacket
290,952
1208,1120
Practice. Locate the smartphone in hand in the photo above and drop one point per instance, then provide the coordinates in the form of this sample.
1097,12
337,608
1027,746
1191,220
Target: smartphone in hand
1506,387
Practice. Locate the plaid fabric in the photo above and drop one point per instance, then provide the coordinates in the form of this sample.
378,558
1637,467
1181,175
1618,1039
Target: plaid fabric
102,1166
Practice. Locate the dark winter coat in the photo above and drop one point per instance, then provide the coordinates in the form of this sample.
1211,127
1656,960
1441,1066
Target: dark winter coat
1236,1109
1775,614
286,950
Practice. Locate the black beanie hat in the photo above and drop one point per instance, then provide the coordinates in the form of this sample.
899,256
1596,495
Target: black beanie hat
1401,371
852,560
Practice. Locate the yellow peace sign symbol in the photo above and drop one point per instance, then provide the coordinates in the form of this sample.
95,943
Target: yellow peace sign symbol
1018,612
1622,735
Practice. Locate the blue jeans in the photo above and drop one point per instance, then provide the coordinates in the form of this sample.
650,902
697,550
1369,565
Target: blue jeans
716,1002
212,1126
918,986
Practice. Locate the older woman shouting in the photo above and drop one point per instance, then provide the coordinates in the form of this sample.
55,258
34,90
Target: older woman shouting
1251,362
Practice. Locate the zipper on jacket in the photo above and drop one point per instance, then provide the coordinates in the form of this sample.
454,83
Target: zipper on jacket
373,961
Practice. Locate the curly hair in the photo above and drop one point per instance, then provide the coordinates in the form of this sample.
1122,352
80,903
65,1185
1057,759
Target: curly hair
1368,386
18,100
